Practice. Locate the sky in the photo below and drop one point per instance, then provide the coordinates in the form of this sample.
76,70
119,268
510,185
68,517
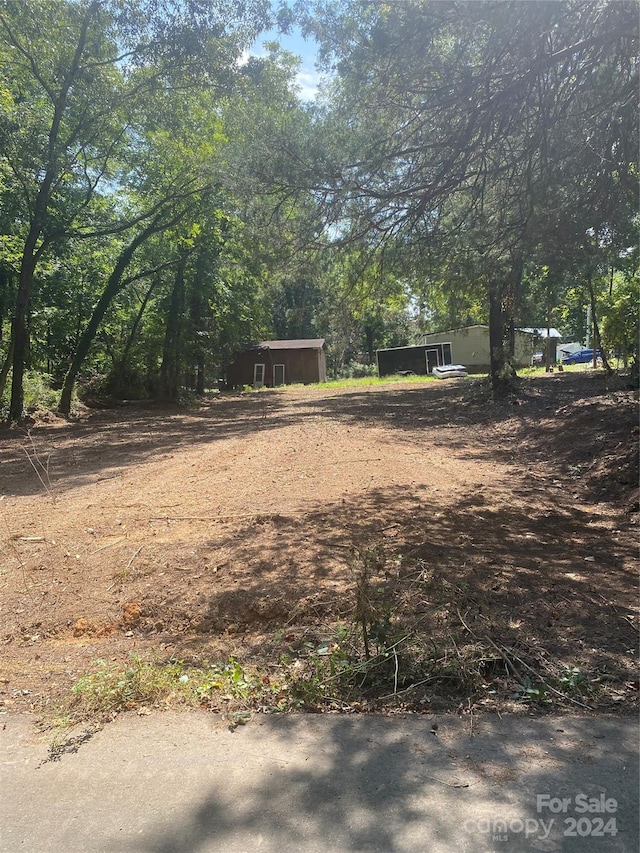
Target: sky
308,77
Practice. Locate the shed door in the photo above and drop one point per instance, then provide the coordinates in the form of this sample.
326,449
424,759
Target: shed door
437,355
258,375
433,358
278,374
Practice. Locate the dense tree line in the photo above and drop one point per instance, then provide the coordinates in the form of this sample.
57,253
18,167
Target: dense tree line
496,141
166,197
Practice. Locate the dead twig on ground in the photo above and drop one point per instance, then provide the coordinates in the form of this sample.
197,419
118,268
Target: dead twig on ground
109,544
45,468
550,686
122,574
230,517
511,654
505,657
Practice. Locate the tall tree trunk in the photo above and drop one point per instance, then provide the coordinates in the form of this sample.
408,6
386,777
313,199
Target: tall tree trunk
496,337
512,339
196,325
5,281
502,295
113,287
371,352
171,351
32,252
200,373
20,328
4,372
122,364
547,356
597,344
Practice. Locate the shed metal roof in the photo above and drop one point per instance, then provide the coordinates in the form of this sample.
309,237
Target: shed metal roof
541,333
301,343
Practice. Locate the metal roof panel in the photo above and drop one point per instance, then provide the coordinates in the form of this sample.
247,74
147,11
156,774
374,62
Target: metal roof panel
301,343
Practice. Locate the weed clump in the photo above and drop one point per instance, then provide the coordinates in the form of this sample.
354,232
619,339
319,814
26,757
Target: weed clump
108,689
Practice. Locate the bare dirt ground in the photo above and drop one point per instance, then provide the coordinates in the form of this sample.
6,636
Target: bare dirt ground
505,537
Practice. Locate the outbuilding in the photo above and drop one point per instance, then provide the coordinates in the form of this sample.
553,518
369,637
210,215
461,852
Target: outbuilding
468,346
274,363
546,340
402,360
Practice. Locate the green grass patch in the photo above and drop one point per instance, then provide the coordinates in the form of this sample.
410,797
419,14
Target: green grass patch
108,689
355,382
364,381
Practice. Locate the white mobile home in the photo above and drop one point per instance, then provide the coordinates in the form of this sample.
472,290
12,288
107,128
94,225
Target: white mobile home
470,346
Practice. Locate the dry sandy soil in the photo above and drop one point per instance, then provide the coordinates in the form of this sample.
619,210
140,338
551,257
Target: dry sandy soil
233,528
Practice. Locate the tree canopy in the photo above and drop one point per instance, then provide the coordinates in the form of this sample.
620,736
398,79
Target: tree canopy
166,196
499,132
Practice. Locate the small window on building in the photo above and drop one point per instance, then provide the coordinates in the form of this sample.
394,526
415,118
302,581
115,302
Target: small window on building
258,375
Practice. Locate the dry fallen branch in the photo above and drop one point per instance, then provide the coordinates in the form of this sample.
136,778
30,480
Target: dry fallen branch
19,538
44,468
110,544
553,689
230,517
507,655
123,572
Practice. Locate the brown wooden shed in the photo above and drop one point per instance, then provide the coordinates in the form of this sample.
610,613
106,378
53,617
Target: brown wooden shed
273,363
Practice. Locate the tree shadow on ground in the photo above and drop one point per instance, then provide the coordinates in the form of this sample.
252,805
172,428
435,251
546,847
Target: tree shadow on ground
393,786
551,583
60,458
521,563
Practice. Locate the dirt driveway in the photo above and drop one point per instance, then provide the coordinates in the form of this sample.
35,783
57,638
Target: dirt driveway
232,528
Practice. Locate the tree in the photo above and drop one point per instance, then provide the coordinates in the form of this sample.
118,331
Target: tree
81,72
620,315
115,284
475,117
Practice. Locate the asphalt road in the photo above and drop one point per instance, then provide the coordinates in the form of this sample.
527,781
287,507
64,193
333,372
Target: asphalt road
185,783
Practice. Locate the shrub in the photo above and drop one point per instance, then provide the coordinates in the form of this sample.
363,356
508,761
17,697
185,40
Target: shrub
38,393
357,370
